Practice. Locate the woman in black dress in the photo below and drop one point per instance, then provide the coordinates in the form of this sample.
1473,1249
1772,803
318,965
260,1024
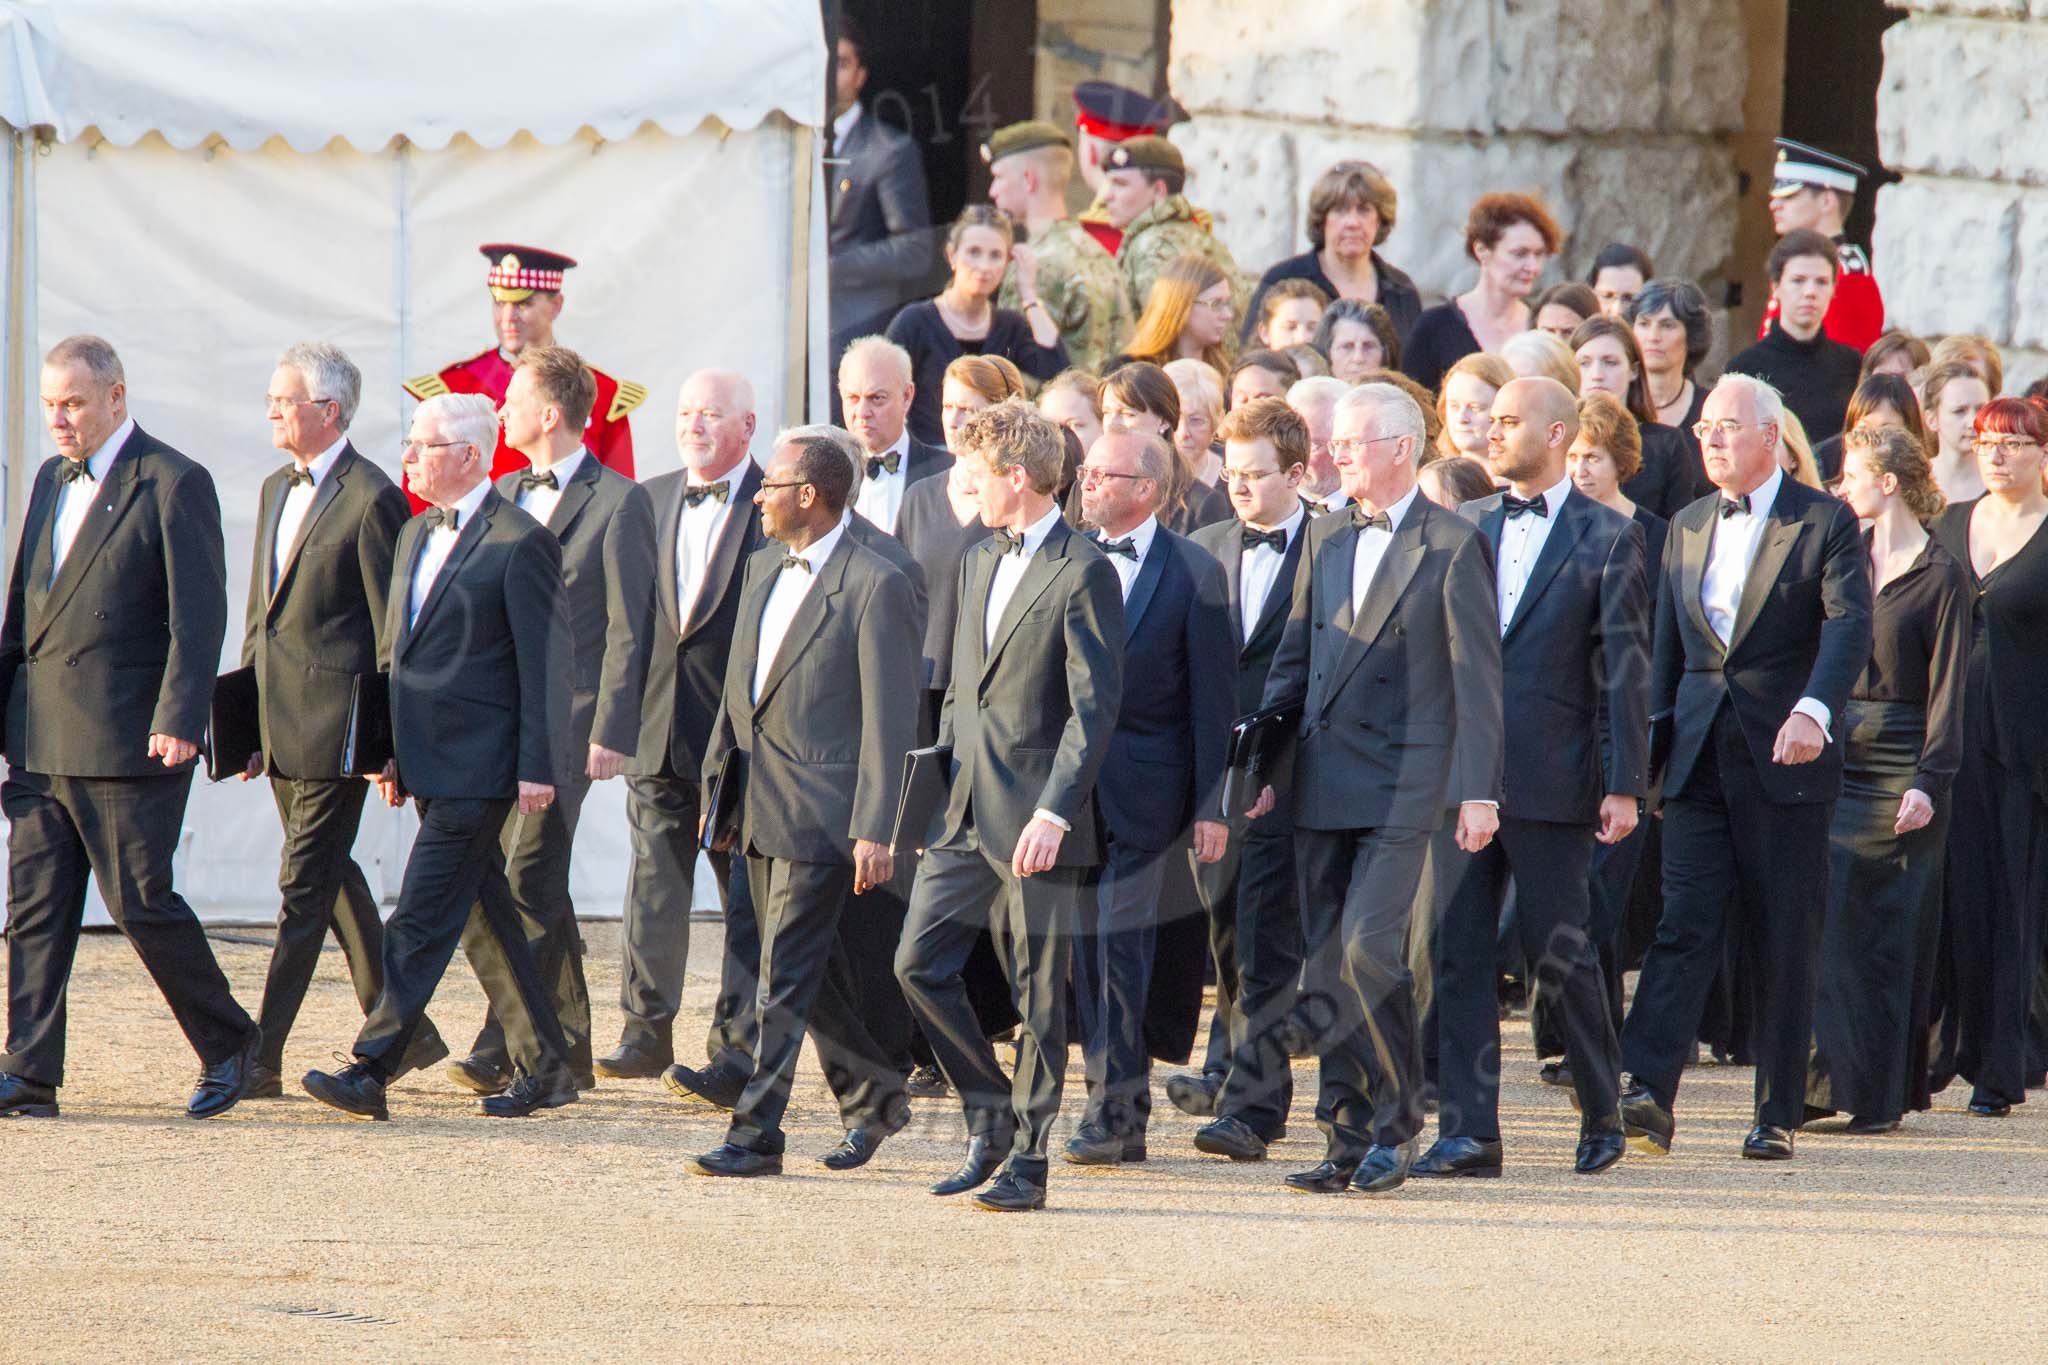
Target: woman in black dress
964,320
1609,362
1997,852
1511,237
1674,332
1902,739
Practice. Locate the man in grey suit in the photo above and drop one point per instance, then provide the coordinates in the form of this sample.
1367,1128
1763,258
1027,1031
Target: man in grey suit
479,679
1037,680
1392,648
115,614
820,706
325,526
605,523
881,239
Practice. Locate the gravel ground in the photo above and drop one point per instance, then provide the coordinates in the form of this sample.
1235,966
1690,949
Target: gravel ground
285,1227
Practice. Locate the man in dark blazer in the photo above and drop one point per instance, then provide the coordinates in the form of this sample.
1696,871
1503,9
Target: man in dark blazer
1037,678
325,525
1252,896
605,523
479,683
1574,627
875,388
115,614
1161,779
1393,651
1763,626
880,239
706,525
820,706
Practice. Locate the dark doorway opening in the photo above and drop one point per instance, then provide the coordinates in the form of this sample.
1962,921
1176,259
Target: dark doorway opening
1834,60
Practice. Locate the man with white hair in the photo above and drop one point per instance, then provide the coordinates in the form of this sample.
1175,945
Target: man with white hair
1392,650
875,389
1314,400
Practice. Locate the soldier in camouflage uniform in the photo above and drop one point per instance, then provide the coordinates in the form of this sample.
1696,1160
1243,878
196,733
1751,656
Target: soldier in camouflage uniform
1142,194
1029,167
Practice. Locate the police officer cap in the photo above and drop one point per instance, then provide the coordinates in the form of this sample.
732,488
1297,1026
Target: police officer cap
1800,166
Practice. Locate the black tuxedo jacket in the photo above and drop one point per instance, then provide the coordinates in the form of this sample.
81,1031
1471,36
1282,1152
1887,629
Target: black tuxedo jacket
881,239
1225,540
125,643
865,532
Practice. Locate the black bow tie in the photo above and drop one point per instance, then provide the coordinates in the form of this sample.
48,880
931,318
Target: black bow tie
1730,506
1007,542
1127,547
695,493
796,562
1254,538
441,516
529,480
71,470
295,476
1515,506
877,463
1367,523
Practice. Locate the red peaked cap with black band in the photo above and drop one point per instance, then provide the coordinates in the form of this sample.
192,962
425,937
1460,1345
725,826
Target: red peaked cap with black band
1115,112
517,271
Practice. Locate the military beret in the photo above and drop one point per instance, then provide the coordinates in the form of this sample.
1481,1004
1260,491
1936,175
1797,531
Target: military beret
1145,154
1024,137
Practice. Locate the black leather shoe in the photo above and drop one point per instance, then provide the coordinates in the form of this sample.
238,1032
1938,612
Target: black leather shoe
985,1152
1460,1156
1193,1094
1990,1109
1231,1137
1093,1145
1555,1073
733,1160
632,1062
1768,1142
853,1150
713,1085
1861,1126
221,1085
926,1083
1380,1171
1012,1193
263,1084
21,1098
1600,1146
427,1048
1330,1177
479,1075
353,1090
529,1095
1646,1124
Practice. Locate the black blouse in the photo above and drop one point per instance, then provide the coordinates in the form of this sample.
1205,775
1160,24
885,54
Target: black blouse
1440,340
1397,293
920,330
1671,476
1920,652
2011,615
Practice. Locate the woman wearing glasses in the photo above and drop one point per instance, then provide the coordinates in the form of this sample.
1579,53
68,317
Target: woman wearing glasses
1187,317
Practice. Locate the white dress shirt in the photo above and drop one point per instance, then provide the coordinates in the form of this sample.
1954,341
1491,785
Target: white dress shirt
1736,540
1371,547
1258,570
880,499
440,543
842,124
1141,540
539,503
697,530
298,500
1521,541
792,585
1336,500
74,499
1002,586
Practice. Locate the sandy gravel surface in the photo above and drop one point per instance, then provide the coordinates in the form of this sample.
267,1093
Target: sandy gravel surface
133,1233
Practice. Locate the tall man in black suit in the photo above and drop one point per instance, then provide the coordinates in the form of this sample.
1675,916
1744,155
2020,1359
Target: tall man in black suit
820,706
605,523
1161,778
881,239
1037,678
706,525
325,525
875,389
1763,625
1253,899
1574,628
115,614
1392,648
479,681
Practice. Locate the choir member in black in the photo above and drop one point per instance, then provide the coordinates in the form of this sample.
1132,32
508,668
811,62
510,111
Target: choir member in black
1674,331
1815,374
1617,276
1997,852
1880,400
1901,741
1511,237
1668,475
964,320
1350,212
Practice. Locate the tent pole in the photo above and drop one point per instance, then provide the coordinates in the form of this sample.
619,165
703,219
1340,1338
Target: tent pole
799,322
21,147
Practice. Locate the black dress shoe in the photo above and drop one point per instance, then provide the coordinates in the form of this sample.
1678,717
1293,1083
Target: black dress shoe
1094,1145
1768,1142
479,1075
1646,1124
734,1160
586,1080
1555,1073
713,1085
1990,1109
1454,1156
1600,1146
1381,1170
853,1150
1866,1126
926,1083
353,1090
529,1095
21,1098
1329,1177
1194,1095
1231,1137
263,1084
1012,1193
427,1048
221,1085
985,1152
631,1062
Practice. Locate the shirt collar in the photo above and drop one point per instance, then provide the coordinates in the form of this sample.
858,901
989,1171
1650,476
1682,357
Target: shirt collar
843,124
1765,495
1553,496
1399,511
1290,525
1141,536
1333,500
473,499
325,460
103,458
821,548
901,450
731,478
565,468
1037,531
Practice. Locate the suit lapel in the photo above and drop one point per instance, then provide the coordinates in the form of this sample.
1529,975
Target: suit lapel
1146,583
110,499
1780,534
1038,576
412,543
575,497
1557,547
323,497
1696,543
1230,554
982,563
669,532
746,639
733,536
466,537
1396,569
809,619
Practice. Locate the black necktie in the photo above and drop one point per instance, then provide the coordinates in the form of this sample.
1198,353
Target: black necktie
1126,547
529,480
696,493
1516,506
294,476
877,463
1007,542
72,470
796,562
1254,538
441,516
1730,506
1367,523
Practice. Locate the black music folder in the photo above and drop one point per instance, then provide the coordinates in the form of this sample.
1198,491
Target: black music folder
366,746
722,811
234,729
927,782
1259,745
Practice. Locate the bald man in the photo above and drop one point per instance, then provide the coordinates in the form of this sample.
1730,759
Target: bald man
1574,623
876,387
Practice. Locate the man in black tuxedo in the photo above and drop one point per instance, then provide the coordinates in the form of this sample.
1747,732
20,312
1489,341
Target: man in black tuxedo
1574,628
1037,677
1161,778
1252,897
479,680
605,523
325,526
820,706
1392,648
1763,625
706,525
875,389
115,614
881,238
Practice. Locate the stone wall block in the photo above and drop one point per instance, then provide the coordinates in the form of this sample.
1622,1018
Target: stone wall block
1965,98
1348,61
1945,256
1705,69
2030,279
1673,198
1578,66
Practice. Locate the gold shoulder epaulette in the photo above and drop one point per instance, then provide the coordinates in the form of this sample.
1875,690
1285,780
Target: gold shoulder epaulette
426,386
629,396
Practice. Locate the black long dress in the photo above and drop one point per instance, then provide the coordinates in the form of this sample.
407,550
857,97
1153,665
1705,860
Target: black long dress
1902,730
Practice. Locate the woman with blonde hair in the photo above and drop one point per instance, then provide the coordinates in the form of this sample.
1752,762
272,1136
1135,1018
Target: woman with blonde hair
972,383
1465,403
1535,353
1795,452
1187,317
1951,395
1073,399
1202,497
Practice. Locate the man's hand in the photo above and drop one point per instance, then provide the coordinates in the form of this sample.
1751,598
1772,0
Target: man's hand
1038,847
1617,818
1211,836
255,768
386,783
172,750
604,764
1799,740
1267,800
1915,810
1024,263
873,865
1477,820
535,797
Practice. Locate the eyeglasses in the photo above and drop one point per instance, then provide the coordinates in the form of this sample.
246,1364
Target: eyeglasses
787,483
1727,426
410,446
1345,447
1246,476
2007,446
1223,306
272,403
1090,477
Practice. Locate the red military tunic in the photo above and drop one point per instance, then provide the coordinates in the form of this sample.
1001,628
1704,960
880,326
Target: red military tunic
608,436
1855,316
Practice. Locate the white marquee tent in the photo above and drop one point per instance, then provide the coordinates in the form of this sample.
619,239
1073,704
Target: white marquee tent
205,184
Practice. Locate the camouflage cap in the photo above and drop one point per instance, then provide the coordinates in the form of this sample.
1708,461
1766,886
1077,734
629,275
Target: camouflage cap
1028,136
1145,154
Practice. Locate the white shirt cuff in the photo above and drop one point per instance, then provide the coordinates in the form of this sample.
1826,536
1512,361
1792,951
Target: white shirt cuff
1047,816
1480,801
1807,706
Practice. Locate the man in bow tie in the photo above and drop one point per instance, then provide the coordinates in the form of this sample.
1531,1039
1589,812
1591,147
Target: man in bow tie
875,389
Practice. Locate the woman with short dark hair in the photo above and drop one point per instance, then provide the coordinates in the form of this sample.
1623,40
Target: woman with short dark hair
1510,237
1674,332
1351,210
1358,337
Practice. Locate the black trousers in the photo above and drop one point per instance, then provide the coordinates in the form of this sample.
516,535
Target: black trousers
1550,864
456,870
121,831
537,849
734,1035
661,818
1736,865
1254,906
1112,977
